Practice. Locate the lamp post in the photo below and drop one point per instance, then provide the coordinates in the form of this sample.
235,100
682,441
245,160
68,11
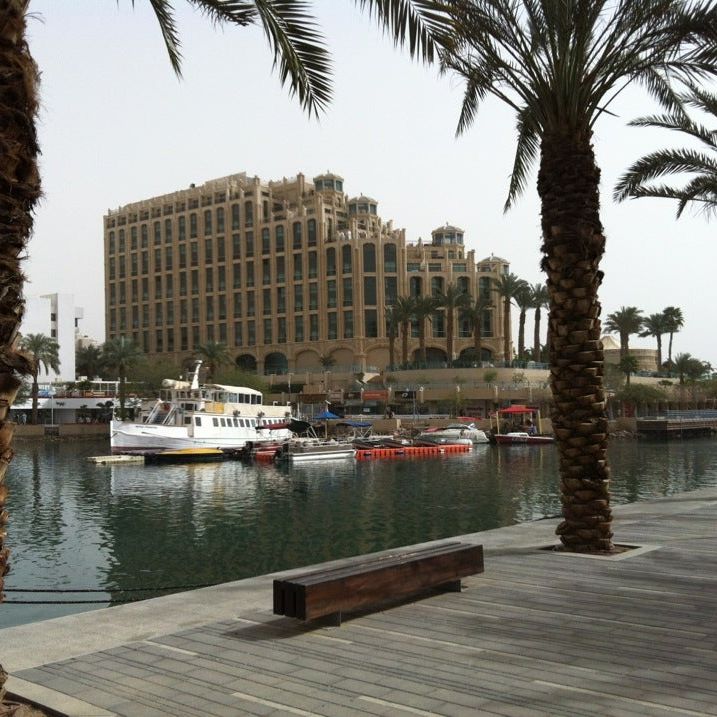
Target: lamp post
51,393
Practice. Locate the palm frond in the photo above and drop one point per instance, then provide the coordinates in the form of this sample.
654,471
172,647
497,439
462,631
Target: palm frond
167,26
526,152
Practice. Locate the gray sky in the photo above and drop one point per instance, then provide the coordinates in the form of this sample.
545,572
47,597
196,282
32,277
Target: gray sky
116,126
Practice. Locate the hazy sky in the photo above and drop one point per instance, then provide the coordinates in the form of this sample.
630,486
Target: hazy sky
116,126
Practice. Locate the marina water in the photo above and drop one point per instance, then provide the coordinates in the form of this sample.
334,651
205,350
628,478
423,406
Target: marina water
133,531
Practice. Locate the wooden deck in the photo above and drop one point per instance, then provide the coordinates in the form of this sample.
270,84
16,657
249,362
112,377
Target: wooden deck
538,633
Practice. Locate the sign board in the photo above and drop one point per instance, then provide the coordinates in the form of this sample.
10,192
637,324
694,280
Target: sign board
375,395
404,395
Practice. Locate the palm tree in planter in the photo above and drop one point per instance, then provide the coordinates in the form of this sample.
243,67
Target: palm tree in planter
655,325
474,314
540,297
624,322
214,355
423,307
453,297
403,314
559,66
43,353
121,354
508,287
675,321
701,189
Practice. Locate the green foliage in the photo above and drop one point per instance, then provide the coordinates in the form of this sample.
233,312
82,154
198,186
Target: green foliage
490,376
232,376
641,393
147,375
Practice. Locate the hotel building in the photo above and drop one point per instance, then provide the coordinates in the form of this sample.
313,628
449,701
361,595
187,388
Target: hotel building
286,273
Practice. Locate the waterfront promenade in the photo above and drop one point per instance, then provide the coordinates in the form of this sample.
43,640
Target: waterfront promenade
538,633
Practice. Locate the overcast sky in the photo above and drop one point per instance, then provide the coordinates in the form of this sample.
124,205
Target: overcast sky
116,126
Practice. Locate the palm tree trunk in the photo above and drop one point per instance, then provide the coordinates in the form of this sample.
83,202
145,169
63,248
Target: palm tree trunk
477,340
121,396
19,192
506,330
422,340
405,328
391,352
521,334
449,335
35,393
536,336
659,352
573,246
669,355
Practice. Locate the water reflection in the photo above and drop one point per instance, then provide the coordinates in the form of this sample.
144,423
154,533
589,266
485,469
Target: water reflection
74,524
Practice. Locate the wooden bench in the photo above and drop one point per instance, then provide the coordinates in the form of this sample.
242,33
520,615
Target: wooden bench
367,581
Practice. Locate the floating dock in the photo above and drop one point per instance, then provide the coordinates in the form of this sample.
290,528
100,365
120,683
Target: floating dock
678,424
410,451
103,460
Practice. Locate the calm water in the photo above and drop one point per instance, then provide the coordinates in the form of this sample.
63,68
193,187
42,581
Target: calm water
117,528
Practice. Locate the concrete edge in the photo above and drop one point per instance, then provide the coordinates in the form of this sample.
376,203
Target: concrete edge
53,700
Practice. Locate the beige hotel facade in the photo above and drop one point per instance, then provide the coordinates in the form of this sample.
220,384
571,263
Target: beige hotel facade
286,273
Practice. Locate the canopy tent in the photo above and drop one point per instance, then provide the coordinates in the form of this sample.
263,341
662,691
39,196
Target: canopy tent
517,409
326,416
355,424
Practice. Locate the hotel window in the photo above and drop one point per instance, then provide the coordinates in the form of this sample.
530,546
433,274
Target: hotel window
281,330
348,291
484,286
415,286
438,324
331,294
170,313
145,289
266,271
159,340
169,286
487,324
208,221
208,251
209,308
237,303
281,300
167,231
250,273
209,279
121,241
298,298
331,261
157,287
220,220
248,214
346,263
122,294
435,267
249,244
158,314
182,228
135,294
369,258
182,256
369,290
311,232
222,301
168,258
170,339
112,268
133,264
194,253
266,298
298,328
313,327
280,269
265,210
250,305
192,225
113,294
390,289
389,258
371,323
235,216
111,242
268,336
279,235
195,281
223,335
236,273
237,333
251,333
436,285
413,266
183,315
196,338
221,252
236,246
143,234
296,229
265,241
183,339
333,326
195,310
145,316
158,260
313,265
122,267
221,278
157,228
459,267
133,238
464,284
298,268
113,320
313,296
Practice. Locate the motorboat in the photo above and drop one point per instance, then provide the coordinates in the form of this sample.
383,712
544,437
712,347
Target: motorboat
189,416
521,438
314,449
457,433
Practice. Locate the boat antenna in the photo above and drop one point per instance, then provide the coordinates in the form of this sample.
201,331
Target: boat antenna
195,377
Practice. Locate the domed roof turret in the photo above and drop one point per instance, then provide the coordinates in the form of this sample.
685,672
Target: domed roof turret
329,182
363,205
447,234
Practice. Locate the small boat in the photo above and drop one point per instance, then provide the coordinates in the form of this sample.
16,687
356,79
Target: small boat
456,433
314,449
522,438
188,455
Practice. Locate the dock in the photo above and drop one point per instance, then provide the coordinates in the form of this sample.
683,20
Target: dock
105,460
539,633
411,451
678,424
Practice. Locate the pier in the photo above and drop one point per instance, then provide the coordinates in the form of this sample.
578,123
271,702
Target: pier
538,633
678,424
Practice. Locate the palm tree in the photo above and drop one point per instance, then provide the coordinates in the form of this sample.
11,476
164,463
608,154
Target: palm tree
43,353
688,366
214,355
675,321
392,333
452,298
627,320
540,300
508,287
88,361
628,365
701,190
121,355
655,325
473,313
423,307
559,66
403,313
524,301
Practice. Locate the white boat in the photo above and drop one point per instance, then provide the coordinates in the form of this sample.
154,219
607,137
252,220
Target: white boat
314,449
522,438
456,433
187,415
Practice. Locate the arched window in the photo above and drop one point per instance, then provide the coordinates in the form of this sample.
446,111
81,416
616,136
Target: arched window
182,227
279,234
220,220
346,259
311,231
297,235
436,285
389,257
415,285
464,284
249,213
369,257
235,216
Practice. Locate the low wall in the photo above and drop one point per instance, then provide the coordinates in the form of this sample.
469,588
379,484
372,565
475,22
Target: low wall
64,430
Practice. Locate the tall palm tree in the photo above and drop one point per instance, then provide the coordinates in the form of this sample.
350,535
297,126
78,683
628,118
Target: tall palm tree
423,307
392,333
214,355
473,313
121,354
655,325
451,298
540,300
559,65
508,287
524,301
403,313
626,321
701,189
675,321
88,361
43,353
